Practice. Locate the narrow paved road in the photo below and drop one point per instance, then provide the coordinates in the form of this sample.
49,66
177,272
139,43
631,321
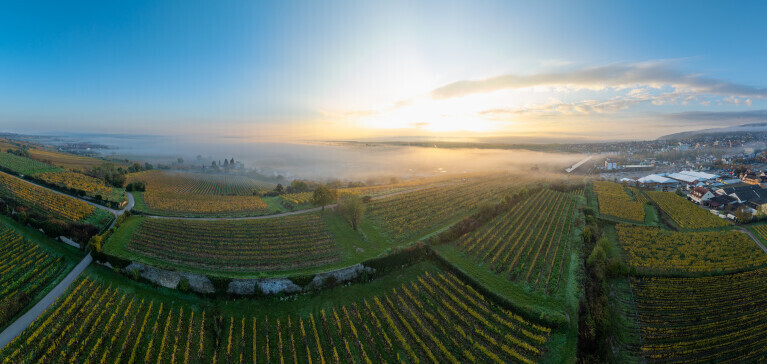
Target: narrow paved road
25,320
753,237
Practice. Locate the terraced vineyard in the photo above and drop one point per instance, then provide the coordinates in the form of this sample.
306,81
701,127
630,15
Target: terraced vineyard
25,269
691,252
69,161
283,243
761,231
200,194
638,195
614,201
409,215
529,243
703,320
23,165
200,184
63,207
685,213
91,186
99,323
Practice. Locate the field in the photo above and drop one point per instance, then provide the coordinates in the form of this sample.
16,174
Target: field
60,206
25,270
91,186
69,161
23,165
297,199
688,252
529,243
283,243
192,194
99,322
614,201
703,320
638,195
411,214
685,213
761,231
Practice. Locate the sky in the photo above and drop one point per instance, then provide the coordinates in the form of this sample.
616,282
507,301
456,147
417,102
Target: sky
337,70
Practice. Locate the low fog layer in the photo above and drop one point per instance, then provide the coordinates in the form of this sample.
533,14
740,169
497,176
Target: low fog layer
326,161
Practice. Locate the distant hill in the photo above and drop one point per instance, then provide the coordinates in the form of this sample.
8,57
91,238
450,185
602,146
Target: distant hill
745,128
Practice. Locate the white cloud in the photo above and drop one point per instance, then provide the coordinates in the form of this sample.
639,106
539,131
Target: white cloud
618,76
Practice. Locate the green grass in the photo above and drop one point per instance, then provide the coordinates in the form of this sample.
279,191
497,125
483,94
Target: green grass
273,204
625,335
100,218
651,217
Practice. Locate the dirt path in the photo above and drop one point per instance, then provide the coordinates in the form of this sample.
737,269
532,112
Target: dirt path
23,322
754,238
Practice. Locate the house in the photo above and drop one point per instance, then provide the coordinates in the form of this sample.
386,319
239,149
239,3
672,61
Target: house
758,205
751,178
700,194
719,202
744,193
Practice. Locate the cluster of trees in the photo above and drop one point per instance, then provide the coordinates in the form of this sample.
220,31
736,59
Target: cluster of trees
603,263
51,226
227,165
352,208
139,186
115,175
21,152
296,186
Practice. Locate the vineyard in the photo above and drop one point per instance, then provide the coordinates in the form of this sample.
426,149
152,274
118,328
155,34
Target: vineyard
23,165
69,161
297,199
96,322
91,186
25,269
761,231
290,242
189,193
529,243
63,207
689,252
614,201
703,320
638,195
200,184
685,213
409,215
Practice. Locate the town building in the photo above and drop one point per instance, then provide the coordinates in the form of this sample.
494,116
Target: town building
701,194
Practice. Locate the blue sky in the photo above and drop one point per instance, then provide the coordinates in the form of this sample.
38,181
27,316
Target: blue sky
353,69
